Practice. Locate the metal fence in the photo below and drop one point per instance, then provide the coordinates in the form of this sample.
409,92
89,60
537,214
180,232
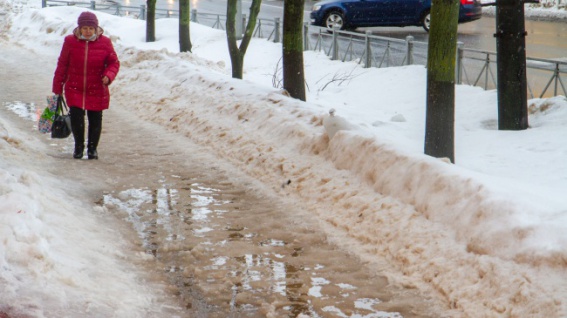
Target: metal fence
474,67
545,77
365,48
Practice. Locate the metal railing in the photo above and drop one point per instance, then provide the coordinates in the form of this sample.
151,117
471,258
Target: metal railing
265,28
365,48
474,67
545,77
113,8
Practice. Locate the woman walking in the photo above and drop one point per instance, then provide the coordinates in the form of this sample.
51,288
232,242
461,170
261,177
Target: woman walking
86,66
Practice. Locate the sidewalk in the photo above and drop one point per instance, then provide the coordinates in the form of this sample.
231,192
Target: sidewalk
209,241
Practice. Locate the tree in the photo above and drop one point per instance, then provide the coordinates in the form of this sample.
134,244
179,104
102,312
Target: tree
237,52
511,67
440,114
151,21
293,72
184,24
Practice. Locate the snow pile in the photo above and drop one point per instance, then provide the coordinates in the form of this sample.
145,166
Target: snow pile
53,258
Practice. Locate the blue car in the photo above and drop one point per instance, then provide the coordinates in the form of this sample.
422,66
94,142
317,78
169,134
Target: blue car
351,14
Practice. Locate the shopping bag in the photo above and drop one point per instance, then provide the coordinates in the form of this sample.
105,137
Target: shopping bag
46,118
61,127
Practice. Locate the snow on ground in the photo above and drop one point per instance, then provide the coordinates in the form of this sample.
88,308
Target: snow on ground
550,10
487,235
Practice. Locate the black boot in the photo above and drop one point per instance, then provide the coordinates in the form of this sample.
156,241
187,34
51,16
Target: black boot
78,128
92,153
95,128
78,153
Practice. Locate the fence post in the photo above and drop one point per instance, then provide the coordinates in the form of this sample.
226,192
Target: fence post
143,12
557,78
409,49
43,3
194,15
306,36
368,60
335,54
218,24
486,71
277,30
93,5
459,66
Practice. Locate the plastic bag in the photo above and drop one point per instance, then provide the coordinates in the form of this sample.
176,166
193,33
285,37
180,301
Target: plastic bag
46,118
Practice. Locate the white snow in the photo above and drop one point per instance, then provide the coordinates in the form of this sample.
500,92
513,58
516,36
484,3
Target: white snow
487,235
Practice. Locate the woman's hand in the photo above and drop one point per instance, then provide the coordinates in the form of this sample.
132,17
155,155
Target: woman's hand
105,80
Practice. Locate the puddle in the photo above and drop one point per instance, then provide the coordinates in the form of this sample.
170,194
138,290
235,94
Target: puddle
25,110
238,255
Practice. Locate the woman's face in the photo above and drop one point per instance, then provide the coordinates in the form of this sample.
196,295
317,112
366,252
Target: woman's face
87,31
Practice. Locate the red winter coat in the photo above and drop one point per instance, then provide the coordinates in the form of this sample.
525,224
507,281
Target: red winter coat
81,66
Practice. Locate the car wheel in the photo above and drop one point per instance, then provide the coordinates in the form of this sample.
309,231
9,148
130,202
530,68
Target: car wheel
335,19
426,21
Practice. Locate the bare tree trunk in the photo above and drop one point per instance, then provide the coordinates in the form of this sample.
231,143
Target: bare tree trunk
293,71
184,24
151,21
511,55
237,52
440,114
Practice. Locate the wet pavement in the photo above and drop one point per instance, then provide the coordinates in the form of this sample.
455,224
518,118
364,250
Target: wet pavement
245,256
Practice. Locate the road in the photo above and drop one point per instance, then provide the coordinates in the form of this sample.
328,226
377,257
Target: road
545,39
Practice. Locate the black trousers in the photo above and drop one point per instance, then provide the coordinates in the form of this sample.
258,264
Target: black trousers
78,126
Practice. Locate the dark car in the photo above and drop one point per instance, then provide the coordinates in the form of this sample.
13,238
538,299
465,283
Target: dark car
351,14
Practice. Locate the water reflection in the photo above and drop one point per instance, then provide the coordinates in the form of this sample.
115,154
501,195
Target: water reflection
230,249
25,110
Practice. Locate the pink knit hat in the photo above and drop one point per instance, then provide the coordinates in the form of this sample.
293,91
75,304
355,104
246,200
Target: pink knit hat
88,19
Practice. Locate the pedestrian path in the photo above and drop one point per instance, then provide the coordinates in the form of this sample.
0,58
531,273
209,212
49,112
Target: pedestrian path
220,243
